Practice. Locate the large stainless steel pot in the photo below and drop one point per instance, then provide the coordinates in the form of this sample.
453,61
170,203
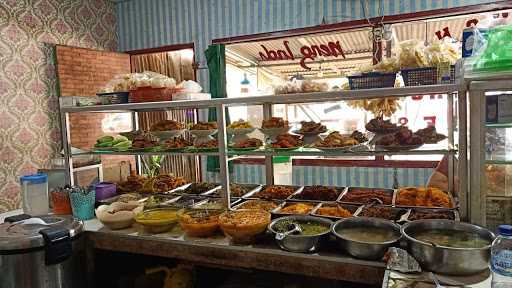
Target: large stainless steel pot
42,256
446,260
362,249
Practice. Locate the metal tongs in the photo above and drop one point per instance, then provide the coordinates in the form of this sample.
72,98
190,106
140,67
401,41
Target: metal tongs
293,228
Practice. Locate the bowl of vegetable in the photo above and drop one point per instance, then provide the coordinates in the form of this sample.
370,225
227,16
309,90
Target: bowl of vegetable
449,247
300,233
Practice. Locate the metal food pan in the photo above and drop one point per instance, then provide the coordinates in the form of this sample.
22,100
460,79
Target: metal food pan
110,200
398,212
352,208
233,201
254,194
350,190
189,188
278,212
242,201
453,213
452,199
187,201
339,192
250,188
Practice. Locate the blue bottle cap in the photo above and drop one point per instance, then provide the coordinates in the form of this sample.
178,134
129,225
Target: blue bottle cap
505,230
35,178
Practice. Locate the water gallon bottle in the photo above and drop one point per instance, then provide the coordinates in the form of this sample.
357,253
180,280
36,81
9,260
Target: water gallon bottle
34,192
501,258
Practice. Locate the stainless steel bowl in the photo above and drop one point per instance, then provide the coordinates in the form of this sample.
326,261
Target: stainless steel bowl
301,243
447,260
361,249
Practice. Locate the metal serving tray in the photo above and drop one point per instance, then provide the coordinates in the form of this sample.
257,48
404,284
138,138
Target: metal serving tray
250,188
187,201
350,190
189,188
242,201
452,213
352,208
233,201
452,199
277,212
294,196
398,212
254,194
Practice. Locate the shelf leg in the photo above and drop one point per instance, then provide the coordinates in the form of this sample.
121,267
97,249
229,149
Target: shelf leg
269,167
477,180
135,127
66,142
463,154
223,157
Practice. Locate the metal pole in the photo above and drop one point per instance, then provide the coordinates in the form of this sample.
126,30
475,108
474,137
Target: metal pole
223,157
269,167
451,156
135,125
66,140
477,181
463,154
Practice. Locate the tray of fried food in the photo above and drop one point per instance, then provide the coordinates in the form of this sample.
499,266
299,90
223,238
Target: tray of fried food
336,141
274,122
132,184
297,208
276,192
404,139
425,197
432,213
334,210
383,212
311,127
162,184
167,125
364,195
380,126
240,127
199,188
318,193
208,146
236,190
286,142
176,144
267,205
430,135
203,126
247,144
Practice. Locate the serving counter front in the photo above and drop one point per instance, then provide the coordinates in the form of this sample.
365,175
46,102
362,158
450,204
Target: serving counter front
329,263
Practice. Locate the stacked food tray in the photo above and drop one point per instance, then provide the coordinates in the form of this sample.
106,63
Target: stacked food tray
341,202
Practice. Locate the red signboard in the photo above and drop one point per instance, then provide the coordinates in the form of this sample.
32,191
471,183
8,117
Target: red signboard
331,49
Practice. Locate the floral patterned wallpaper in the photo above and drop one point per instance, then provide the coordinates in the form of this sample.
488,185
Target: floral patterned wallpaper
29,119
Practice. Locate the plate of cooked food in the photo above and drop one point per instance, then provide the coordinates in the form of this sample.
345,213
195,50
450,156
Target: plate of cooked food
404,139
209,146
430,135
274,126
247,145
176,144
380,126
286,142
167,129
337,141
240,127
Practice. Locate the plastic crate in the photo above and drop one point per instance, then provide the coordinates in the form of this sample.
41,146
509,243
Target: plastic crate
372,80
149,94
113,98
425,76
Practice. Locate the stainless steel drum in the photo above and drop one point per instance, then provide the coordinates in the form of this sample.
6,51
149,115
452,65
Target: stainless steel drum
42,252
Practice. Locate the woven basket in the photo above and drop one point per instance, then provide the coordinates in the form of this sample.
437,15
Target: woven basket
149,94
372,80
425,76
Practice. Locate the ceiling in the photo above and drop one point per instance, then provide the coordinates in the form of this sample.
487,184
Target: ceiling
355,43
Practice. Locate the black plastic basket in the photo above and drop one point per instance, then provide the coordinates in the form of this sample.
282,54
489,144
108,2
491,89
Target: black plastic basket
113,98
425,76
372,80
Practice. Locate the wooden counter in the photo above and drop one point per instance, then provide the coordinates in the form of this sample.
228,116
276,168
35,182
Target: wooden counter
329,263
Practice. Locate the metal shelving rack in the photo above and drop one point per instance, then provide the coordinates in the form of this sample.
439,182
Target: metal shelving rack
478,186
454,91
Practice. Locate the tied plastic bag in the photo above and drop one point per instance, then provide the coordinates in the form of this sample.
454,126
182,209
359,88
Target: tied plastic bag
444,51
132,81
190,86
496,54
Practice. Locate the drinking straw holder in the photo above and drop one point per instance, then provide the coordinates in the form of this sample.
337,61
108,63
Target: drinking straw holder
82,203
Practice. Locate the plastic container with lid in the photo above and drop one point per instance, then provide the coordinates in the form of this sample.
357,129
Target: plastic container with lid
41,252
501,258
34,192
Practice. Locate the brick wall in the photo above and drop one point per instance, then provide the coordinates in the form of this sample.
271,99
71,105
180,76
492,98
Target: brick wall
82,72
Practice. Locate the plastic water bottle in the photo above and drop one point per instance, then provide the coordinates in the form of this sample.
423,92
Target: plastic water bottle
501,258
